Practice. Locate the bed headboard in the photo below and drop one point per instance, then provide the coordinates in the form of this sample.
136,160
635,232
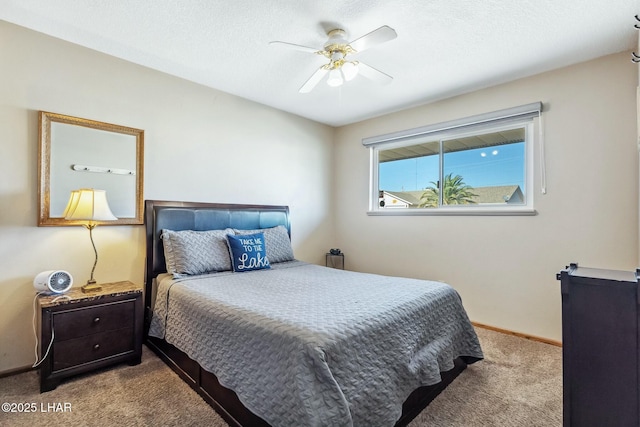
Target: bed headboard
161,214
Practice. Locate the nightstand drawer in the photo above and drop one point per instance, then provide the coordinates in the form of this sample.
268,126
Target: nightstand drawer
92,320
81,332
71,353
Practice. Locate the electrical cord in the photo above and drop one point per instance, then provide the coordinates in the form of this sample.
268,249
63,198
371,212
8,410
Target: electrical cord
35,333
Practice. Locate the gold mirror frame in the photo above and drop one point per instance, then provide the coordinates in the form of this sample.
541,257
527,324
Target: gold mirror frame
47,146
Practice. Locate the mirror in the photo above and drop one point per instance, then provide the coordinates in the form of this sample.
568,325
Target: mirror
79,153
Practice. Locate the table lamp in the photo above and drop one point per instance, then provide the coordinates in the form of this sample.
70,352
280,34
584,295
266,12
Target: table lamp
89,205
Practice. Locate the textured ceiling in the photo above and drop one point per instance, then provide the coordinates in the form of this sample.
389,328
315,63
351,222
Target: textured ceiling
443,48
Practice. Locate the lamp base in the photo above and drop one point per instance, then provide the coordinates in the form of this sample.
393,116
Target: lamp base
91,287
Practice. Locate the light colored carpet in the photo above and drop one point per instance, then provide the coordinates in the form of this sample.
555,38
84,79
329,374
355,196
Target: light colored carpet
518,384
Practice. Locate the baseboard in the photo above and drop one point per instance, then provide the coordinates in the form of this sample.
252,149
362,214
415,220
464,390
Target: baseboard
15,371
518,334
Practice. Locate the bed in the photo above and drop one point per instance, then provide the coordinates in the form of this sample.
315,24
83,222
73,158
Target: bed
287,342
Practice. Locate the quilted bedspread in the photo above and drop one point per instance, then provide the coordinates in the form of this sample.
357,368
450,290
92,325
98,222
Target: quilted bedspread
304,345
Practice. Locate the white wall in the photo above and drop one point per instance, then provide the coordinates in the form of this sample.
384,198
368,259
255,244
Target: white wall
200,145
504,267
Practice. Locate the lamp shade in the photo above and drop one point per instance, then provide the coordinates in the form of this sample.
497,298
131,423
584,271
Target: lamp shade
335,78
88,204
350,70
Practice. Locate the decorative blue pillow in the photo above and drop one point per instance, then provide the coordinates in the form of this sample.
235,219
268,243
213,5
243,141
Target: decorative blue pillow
248,252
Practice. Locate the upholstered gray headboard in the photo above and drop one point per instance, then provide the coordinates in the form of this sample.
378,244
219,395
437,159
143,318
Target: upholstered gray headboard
161,214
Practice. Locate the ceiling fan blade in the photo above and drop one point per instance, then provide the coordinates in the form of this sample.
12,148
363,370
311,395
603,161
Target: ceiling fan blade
313,80
376,75
375,37
296,47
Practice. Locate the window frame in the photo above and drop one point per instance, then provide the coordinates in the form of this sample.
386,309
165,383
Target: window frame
475,125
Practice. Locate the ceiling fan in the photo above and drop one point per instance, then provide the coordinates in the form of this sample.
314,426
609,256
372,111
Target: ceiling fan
336,49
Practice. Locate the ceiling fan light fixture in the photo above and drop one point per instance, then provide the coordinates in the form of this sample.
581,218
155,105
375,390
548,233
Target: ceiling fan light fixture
336,49
350,70
337,56
335,78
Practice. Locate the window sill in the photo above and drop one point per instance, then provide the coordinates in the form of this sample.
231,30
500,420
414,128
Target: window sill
466,211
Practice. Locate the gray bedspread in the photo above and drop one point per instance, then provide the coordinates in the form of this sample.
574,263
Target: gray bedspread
304,345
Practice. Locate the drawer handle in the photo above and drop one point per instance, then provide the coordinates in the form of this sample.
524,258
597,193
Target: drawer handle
96,320
96,347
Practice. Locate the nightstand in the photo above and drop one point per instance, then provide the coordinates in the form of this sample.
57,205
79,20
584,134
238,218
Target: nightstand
334,261
90,331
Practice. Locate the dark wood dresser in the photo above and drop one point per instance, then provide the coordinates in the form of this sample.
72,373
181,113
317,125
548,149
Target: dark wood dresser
601,358
83,332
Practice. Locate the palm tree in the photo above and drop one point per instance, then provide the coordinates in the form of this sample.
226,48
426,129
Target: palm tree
456,192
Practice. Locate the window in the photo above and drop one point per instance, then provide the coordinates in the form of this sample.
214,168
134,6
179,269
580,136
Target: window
478,165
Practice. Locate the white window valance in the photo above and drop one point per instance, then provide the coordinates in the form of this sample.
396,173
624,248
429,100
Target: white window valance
474,122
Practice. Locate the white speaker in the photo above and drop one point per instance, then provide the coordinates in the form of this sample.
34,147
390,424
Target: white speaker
56,281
